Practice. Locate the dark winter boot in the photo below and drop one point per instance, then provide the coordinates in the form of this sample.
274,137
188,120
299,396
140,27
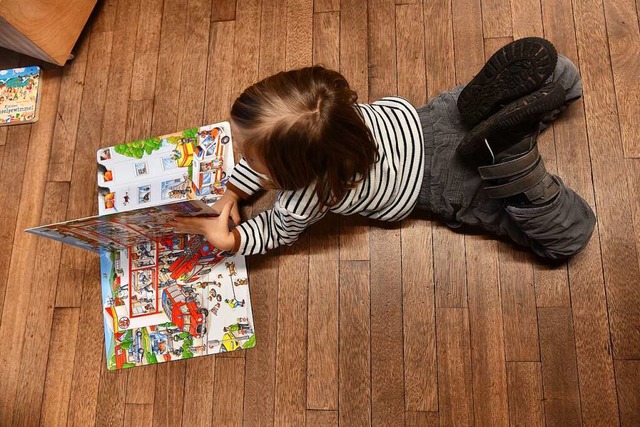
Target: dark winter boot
515,70
519,176
512,123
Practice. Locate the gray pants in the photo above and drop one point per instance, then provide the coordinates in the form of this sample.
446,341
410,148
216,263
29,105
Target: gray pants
454,191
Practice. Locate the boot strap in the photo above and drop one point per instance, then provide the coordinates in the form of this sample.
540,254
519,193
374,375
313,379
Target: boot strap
511,167
543,192
519,185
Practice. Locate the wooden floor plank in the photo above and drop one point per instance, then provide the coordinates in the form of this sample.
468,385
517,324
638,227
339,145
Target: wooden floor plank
33,364
619,252
418,301
628,381
147,44
57,388
219,83
291,363
524,383
624,47
229,372
387,367
68,115
199,394
110,402
82,202
19,283
421,419
260,372
322,418
169,394
487,338
194,65
138,415
633,181
120,75
355,347
320,6
223,10
89,350
526,19
518,298
559,368
588,300
354,230
322,349
454,367
11,178
496,18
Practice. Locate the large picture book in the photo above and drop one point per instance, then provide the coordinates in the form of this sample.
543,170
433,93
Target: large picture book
165,296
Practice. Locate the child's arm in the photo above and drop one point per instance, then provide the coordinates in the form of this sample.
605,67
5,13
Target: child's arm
292,213
244,181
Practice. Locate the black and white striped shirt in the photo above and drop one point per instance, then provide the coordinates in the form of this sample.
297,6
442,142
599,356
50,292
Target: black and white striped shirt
389,193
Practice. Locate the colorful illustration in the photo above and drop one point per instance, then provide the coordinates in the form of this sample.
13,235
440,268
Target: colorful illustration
122,229
19,95
165,297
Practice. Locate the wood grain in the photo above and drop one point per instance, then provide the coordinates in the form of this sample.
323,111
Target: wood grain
559,368
228,392
496,18
322,418
223,10
387,367
68,116
624,46
454,367
291,363
57,385
199,389
89,349
38,330
487,338
138,415
524,383
619,252
320,6
322,348
20,285
355,346
628,382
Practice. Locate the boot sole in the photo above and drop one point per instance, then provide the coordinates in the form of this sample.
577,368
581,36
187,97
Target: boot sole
525,111
515,70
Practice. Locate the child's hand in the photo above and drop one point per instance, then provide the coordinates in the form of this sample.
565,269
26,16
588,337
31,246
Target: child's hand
215,230
229,197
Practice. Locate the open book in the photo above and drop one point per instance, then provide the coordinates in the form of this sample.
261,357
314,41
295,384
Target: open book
165,296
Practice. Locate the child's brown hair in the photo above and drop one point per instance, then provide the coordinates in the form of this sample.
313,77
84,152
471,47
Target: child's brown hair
304,126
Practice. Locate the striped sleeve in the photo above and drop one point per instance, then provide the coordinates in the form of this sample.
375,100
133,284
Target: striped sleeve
292,213
244,181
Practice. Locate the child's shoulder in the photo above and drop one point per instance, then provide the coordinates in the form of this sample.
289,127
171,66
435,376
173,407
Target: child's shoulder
395,102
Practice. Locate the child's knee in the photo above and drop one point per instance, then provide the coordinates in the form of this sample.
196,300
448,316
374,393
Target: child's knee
566,73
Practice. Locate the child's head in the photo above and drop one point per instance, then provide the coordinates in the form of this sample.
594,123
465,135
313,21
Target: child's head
301,127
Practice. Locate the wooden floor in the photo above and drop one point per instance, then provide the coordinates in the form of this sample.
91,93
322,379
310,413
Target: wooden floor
357,324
